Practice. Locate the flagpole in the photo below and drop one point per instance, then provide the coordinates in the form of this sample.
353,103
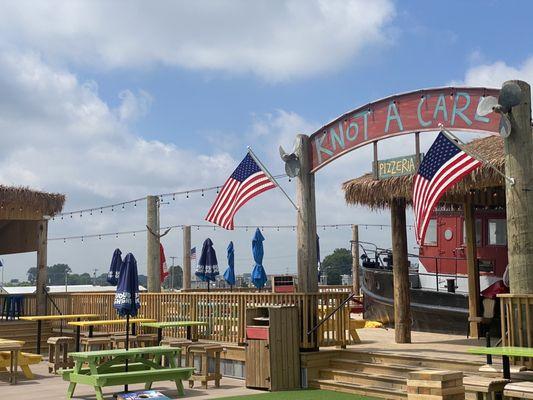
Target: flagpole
265,170
461,145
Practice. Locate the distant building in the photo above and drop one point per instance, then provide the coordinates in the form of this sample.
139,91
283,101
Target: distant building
346,280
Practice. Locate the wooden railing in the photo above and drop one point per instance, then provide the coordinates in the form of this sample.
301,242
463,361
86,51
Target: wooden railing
517,323
225,312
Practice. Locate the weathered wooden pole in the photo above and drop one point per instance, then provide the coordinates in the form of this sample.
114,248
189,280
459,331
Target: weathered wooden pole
42,273
306,252
519,197
402,298
152,243
355,260
186,257
472,267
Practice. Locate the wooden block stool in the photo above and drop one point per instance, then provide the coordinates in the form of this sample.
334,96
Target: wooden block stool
435,385
95,343
146,340
119,341
183,344
518,390
206,352
483,388
58,348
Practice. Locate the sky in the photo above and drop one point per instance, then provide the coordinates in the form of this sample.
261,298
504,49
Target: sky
111,101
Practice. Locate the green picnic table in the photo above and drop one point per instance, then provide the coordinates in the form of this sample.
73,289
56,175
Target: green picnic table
505,353
174,324
123,367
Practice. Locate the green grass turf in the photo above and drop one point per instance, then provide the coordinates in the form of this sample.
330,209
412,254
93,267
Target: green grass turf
301,395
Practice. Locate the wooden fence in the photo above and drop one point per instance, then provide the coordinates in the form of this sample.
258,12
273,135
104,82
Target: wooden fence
517,323
225,312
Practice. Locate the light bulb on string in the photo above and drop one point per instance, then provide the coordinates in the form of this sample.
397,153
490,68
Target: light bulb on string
135,204
174,197
187,194
202,192
101,211
123,206
81,215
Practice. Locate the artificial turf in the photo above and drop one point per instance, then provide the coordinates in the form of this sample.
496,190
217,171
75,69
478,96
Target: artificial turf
301,395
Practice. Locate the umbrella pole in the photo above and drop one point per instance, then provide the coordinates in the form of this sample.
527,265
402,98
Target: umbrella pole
127,344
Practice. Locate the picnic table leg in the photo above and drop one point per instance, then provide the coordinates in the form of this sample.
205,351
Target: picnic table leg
159,335
99,394
77,368
39,327
78,334
506,367
172,362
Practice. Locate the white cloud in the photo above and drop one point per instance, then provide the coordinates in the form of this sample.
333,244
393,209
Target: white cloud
276,40
493,75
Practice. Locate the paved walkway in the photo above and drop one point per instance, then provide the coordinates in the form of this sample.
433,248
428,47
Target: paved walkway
52,387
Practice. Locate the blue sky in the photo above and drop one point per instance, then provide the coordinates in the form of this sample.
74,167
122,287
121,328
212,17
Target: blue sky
119,100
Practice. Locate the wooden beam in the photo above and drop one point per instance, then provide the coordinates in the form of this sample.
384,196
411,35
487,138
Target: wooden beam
519,197
152,244
417,148
472,266
42,273
402,297
306,252
375,162
355,260
186,257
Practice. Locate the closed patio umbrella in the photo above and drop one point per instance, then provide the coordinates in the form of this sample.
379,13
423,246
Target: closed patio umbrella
207,269
229,274
114,269
127,302
259,277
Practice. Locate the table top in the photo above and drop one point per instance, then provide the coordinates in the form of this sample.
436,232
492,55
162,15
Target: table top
109,322
57,317
2,340
503,351
10,345
172,324
154,350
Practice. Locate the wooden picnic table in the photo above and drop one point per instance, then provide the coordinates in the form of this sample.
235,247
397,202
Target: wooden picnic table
108,368
505,353
14,347
92,324
175,324
24,359
40,318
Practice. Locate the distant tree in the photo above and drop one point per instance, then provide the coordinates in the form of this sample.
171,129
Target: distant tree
336,264
101,280
143,280
57,274
32,275
175,278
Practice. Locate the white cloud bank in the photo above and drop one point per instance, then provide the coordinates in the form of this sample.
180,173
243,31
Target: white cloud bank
276,40
494,74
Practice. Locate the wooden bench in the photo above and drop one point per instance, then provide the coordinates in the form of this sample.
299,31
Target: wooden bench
519,390
24,362
483,388
148,377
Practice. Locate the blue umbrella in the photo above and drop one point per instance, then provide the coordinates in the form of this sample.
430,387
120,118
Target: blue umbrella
207,268
229,275
114,269
259,277
127,301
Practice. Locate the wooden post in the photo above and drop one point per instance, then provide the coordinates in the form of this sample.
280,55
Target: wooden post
306,220
402,300
519,197
472,266
417,148
42,273
375,162
152,243
186,257
355,260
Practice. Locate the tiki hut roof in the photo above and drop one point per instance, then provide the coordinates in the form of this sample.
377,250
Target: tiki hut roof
484,184
15,200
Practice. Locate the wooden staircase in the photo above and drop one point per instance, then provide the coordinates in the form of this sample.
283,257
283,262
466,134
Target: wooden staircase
26,331
379,375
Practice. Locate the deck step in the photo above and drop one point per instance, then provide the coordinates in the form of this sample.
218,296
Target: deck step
396,370
363,378
353,388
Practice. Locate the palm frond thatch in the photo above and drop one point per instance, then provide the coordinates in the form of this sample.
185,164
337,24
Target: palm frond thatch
484,181
27,199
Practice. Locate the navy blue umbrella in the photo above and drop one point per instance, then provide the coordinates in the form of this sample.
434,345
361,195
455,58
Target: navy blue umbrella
259,277
229,275
114,269
127,301
207,269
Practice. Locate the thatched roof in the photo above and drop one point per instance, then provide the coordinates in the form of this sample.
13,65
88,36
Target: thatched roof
26,200
484,184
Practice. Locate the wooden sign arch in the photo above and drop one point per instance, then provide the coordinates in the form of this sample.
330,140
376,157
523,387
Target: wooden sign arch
418,111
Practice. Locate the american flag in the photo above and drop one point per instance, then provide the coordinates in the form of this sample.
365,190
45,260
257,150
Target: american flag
193,254
246,182
443,166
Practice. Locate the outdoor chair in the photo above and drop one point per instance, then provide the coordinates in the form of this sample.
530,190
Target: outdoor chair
206,352
183,344
119,341
95,343
58,349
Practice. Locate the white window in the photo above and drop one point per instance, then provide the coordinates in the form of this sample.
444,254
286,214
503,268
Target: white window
431,233
497,232
479,233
